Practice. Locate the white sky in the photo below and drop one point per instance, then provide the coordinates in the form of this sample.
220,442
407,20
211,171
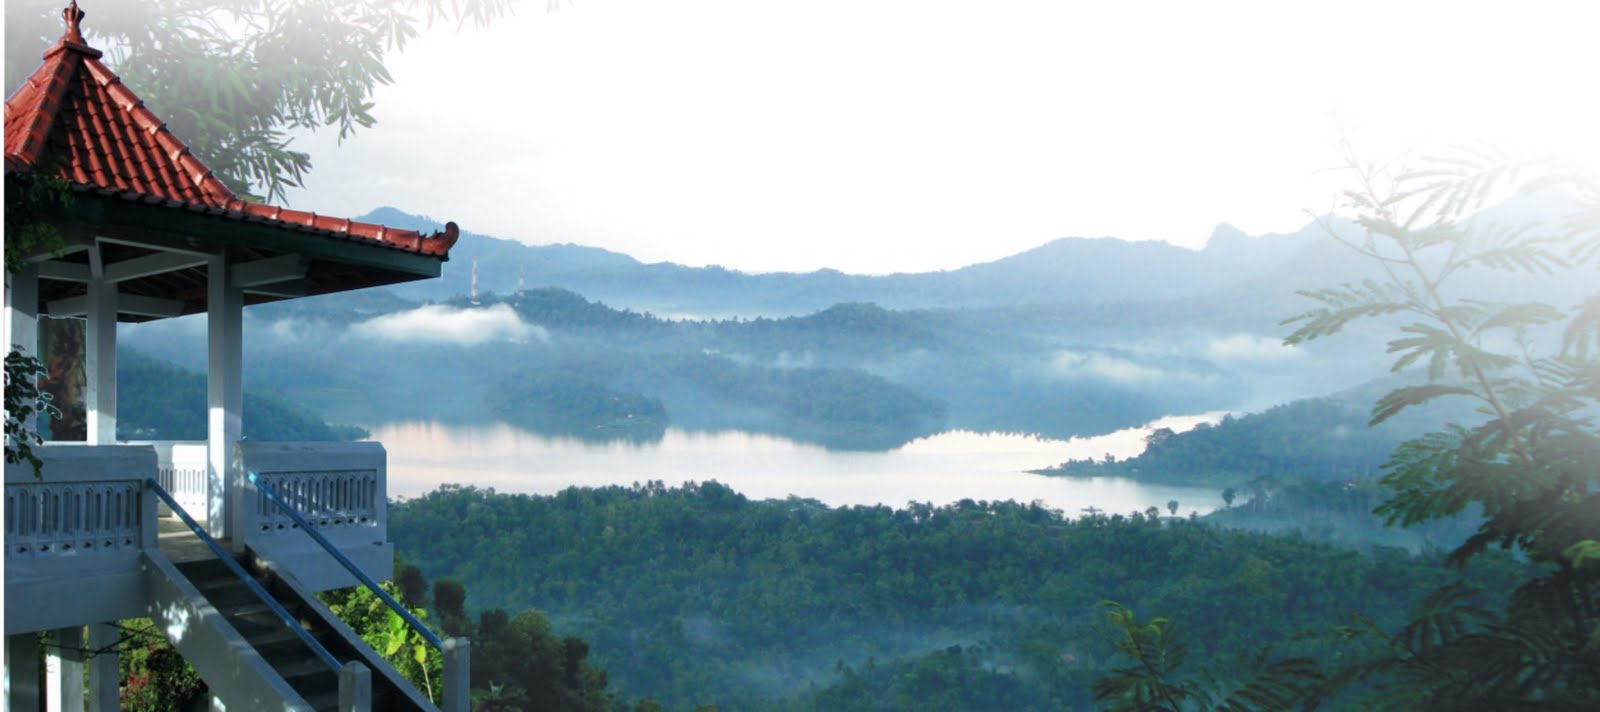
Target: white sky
908,135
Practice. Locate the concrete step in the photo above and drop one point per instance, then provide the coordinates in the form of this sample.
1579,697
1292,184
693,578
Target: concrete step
277,644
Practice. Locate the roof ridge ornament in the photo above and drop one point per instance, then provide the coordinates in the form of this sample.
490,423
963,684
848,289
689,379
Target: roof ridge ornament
74,17
72,37
109,143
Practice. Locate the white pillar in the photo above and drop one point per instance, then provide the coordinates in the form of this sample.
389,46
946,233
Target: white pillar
355,688
100,371
457,675
224,396
22,673
63,670
22,316
22,309
104,677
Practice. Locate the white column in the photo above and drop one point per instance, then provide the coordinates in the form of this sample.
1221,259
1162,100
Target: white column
100,371
355,688
104,677
63,670
457,675
224,396
22,316
22,309
22,673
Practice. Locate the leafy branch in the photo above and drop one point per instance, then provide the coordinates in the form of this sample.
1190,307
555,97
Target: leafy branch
1528,469
235,79
23,402
1152,681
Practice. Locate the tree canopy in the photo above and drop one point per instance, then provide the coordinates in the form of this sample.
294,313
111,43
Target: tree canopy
235,79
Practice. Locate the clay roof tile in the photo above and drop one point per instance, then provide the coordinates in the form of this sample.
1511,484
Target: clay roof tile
105,140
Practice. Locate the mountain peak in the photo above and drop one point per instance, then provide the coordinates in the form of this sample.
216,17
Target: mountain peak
1226,235
395,217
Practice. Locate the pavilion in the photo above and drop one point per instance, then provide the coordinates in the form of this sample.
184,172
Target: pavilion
150,233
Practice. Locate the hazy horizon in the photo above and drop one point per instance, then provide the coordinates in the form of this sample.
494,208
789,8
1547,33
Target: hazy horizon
901,136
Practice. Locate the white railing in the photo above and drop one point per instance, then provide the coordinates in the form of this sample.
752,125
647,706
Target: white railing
327,498
337,487
75,537
63,519
181,468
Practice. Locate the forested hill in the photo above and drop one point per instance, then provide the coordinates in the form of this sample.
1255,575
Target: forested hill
854,375
697,595
1327,439
157,400
844,361
1321,438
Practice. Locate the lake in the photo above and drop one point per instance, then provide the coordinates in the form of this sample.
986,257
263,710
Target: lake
940,469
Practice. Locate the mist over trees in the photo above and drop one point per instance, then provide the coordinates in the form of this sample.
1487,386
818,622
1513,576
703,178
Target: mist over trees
695,594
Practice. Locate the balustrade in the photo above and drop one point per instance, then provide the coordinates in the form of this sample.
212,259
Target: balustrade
181,468
65,518
75,537
336,487
326,498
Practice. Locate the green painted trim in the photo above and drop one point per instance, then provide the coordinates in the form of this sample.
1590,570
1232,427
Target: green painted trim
112,212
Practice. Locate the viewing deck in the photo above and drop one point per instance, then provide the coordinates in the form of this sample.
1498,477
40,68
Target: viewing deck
92,540
75,536
87,541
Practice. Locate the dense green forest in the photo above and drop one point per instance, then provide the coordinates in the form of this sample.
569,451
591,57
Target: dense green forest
1330,439
692,595
1339,512
1323,439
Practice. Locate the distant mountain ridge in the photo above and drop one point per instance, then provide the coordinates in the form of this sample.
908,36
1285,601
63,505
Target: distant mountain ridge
1074,337
1072,269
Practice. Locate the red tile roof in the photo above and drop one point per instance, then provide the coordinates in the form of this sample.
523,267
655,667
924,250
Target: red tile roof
76,111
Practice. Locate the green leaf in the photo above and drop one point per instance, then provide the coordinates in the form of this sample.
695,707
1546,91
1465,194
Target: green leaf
1402,398
1520,316
1343,305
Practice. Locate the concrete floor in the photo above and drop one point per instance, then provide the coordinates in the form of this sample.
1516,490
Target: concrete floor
181,545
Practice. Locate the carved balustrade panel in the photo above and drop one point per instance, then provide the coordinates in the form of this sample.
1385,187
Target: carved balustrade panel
329,499
67,518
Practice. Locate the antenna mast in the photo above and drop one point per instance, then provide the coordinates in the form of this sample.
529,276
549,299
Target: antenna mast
472,294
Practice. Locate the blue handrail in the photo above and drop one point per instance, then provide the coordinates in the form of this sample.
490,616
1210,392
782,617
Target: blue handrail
250,581
349,565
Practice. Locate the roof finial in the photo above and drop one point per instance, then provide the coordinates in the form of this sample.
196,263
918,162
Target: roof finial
73,38
73,16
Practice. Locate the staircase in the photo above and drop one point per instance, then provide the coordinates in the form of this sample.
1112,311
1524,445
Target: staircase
283,650
262,640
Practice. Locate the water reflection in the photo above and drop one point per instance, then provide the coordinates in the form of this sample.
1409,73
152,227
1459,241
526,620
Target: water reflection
939,469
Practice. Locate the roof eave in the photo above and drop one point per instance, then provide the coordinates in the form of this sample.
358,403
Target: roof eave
109,213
